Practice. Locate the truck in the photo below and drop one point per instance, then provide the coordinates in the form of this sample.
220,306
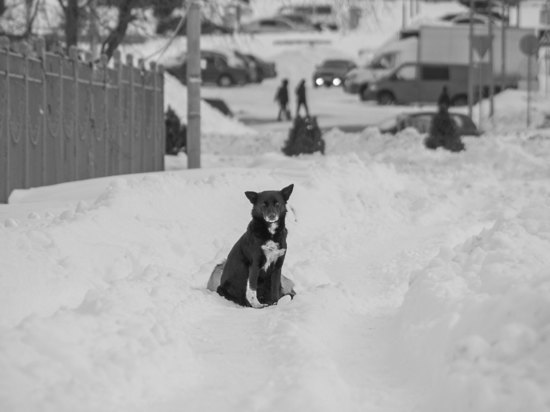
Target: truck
446,44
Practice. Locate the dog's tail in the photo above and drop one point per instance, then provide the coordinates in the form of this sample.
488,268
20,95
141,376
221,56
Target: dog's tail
215,277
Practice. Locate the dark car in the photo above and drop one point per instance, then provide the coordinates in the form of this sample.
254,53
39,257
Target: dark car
332,72
421,121
170,25
224,69
263,69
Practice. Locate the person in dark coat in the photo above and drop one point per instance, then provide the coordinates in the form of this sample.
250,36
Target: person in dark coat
301,98
443,129
282,98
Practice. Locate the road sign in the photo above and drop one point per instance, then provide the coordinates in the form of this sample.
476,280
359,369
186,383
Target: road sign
544,39
481,44
529,45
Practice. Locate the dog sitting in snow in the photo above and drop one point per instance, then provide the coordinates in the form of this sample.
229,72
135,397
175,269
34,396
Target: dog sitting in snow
251,274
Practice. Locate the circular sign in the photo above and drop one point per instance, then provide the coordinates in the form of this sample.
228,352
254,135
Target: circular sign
529,45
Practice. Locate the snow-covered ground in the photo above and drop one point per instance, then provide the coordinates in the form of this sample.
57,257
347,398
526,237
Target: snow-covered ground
422,277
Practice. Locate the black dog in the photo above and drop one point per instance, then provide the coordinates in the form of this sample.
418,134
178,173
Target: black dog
251,275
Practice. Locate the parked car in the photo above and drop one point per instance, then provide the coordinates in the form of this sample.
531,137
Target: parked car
465,18
421,121
263,69
322,16
222,68
169,26
272,25
301,19
421,83
331,72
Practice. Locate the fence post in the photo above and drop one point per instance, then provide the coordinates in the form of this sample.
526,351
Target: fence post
27,172
103,60
130,65
154,143
116,151
73,54
162,128
5,140
40,46
142,118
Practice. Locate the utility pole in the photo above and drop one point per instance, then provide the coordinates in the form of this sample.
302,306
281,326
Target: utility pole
471,62
505,21
193,84
403,14
491,69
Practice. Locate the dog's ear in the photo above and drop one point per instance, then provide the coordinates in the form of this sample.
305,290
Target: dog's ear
287,191
252,196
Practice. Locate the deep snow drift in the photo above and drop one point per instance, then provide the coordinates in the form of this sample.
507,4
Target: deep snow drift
422,277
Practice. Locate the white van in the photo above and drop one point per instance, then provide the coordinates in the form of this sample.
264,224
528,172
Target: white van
387,58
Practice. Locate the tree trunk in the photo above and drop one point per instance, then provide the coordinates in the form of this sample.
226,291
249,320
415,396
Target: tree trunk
2,7
71,25
125,17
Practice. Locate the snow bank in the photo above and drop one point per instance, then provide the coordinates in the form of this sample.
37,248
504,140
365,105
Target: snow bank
212,120
477,318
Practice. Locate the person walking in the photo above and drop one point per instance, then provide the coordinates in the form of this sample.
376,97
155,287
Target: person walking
282,98
301,98
443,129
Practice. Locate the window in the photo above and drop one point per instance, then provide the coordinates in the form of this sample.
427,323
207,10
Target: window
385,61
458,121
421,123
323,10
268,23
440,73
219,62
406,73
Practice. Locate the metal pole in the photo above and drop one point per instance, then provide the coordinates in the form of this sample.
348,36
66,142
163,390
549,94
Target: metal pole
506,15
403,14
529,90
546,71
491,69
193,85
471,62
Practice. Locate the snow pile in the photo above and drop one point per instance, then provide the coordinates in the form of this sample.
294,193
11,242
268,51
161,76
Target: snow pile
511,111
212,120
477,318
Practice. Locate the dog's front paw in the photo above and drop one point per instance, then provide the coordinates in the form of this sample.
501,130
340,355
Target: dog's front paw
252,298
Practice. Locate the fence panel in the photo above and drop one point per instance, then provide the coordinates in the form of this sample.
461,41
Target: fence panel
17,126
4,102
53,133
34,93
64,118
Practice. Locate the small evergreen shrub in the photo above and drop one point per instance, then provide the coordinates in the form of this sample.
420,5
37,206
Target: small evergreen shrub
304,137
176,133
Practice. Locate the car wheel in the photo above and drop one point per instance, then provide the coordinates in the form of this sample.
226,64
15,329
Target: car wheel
385,98
460,100
225,80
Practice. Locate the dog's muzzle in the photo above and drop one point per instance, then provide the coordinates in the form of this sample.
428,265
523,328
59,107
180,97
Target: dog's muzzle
272,218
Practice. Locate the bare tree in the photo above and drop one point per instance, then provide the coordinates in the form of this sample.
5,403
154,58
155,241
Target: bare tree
72,13
116,36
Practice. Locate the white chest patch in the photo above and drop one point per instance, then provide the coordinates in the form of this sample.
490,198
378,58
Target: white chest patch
272,253
273,227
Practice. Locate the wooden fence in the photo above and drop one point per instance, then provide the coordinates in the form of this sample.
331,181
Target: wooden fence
64,118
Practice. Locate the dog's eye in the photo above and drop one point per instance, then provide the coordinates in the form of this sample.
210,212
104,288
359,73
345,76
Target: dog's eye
276,203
